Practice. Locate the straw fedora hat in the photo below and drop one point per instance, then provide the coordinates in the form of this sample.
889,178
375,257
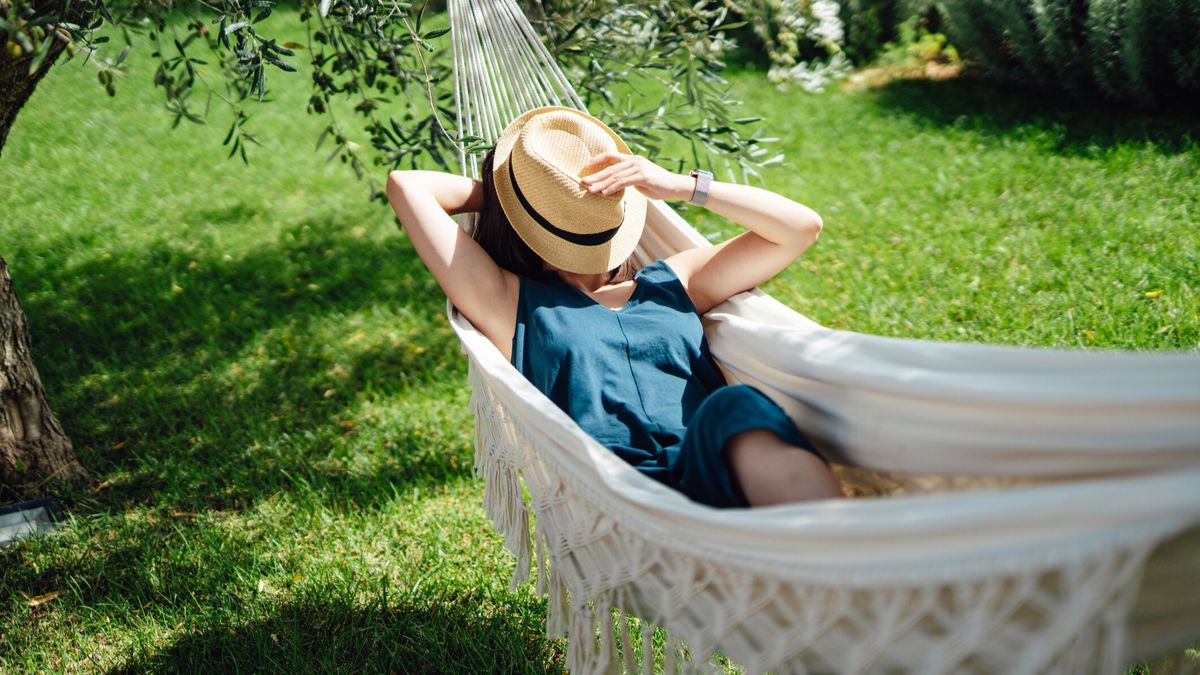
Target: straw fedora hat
536,170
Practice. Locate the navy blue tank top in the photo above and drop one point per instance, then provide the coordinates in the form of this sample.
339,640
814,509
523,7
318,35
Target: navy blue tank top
633,377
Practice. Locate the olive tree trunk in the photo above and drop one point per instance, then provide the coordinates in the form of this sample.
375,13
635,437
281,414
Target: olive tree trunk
33,448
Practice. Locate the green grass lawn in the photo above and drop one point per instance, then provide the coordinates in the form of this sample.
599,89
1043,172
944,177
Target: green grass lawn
256,367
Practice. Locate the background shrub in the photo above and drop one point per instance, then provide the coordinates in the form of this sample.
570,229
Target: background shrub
814,42
870,24
1143,51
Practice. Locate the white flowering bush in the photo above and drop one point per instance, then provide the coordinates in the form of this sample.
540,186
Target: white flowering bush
802,38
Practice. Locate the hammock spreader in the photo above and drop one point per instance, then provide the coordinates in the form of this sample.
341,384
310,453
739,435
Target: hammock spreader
1037,510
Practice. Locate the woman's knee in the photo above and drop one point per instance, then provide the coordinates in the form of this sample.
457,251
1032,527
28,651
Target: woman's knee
770,470
754,446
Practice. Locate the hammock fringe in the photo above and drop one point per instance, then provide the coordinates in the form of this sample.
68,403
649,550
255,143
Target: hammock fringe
496,462
1069,615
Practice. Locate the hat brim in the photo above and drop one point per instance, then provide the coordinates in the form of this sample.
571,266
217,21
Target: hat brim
565,255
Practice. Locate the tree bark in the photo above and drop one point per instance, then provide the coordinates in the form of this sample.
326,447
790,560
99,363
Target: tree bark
16,82
33,448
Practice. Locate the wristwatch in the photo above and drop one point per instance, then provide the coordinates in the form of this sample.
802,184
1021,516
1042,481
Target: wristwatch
703,181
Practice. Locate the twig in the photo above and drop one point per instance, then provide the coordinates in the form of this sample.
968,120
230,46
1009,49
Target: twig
429,86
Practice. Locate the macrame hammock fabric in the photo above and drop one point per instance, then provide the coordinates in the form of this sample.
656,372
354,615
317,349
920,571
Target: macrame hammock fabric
1023,510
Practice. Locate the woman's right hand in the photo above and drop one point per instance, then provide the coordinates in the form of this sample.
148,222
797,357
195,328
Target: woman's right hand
618,170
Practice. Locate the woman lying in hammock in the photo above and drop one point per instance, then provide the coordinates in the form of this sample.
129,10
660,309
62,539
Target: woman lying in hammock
548,277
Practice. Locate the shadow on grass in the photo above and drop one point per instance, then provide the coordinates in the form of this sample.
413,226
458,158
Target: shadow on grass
139,565
1082,125
426,635
192,377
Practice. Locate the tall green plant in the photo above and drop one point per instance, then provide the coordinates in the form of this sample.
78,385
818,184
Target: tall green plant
1135,50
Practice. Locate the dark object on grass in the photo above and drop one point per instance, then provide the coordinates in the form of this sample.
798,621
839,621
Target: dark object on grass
26,518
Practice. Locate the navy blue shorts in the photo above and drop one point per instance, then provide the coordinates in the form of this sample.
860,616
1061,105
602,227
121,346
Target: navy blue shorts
701,470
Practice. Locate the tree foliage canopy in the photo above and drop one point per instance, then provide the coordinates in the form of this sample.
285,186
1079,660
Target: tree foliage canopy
381,60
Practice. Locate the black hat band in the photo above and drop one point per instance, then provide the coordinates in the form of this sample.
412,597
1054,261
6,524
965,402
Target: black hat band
594,239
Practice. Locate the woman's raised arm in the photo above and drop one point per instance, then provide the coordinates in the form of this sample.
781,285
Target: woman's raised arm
780,229
483,291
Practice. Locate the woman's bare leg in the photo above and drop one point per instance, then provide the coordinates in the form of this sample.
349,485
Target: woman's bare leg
772,471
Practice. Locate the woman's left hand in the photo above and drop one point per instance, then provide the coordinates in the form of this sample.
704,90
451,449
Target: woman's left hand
620,170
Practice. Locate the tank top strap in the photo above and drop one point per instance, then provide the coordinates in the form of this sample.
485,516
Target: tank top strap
664,286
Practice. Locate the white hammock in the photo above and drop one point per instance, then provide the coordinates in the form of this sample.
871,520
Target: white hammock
1041,510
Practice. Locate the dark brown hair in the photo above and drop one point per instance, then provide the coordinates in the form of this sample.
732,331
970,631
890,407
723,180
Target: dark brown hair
497,236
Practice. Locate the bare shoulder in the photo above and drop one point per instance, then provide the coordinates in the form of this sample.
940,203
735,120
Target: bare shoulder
689,266
497,316
713,274
493,312
685,263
